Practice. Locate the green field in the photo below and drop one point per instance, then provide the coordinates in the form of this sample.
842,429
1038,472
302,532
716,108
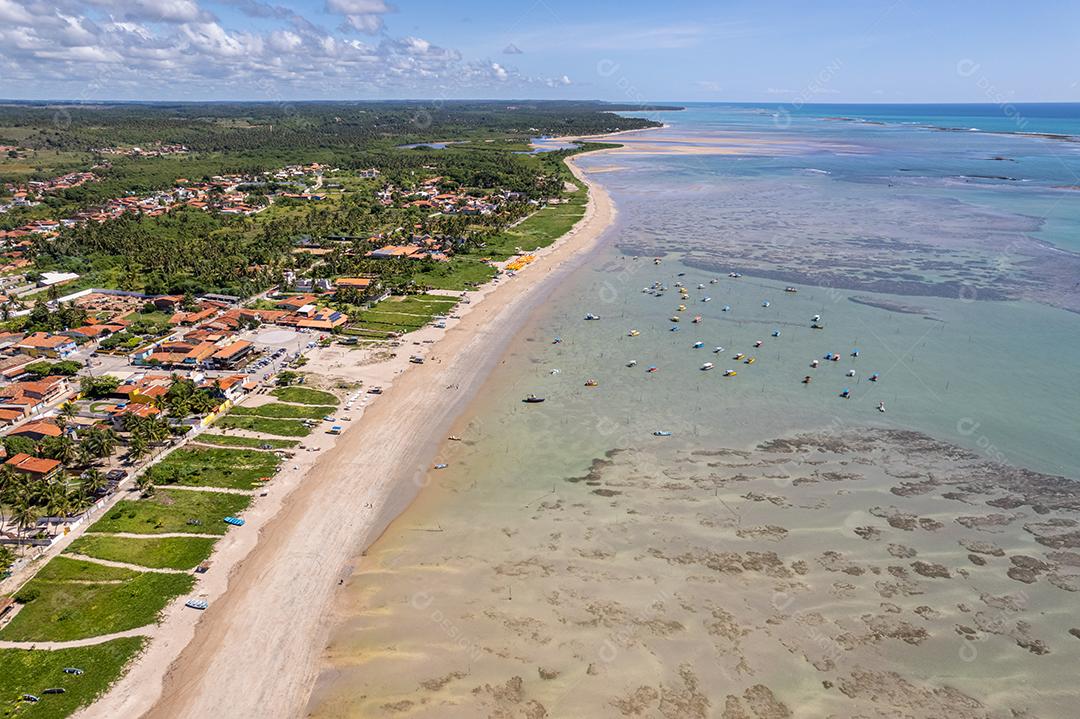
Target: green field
63,611
65,569
153,552
304,395
460,273
280,410
170,510
215,467
31,671
225,440
266,425
403,314
540,229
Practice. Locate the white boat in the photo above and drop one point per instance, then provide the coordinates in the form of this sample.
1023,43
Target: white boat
700,286
662,433
632,363
706,299
707,366
717,350
698,345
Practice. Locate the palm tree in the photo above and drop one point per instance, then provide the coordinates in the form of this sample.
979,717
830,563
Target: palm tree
57,503
25,513
145,483
101,441
93,482
137,447
69,410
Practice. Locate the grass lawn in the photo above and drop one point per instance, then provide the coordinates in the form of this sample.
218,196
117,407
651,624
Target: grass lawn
540,229
65,569
153,552
62,611
169,511
280,410
304,395
215,467
404,314
30,671
266,425
460,273
224,440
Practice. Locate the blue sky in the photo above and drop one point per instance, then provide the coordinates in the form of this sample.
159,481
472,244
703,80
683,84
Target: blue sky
869,51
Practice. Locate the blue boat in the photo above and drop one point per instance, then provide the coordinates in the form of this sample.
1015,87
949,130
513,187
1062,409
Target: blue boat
776,333
234,521
662,433
197,604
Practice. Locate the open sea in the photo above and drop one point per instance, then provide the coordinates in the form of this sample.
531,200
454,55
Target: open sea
789,549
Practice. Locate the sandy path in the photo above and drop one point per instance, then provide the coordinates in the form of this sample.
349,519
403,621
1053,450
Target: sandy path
88,642
257,649
124,565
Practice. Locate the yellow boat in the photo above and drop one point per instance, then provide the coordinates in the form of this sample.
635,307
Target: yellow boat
591,383
730,373
749,360
682,308
634,333
739,356
674,318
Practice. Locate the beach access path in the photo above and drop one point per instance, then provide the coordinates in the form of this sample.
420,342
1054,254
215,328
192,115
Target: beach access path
256,650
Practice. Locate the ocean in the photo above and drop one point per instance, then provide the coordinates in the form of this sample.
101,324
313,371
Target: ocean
789,549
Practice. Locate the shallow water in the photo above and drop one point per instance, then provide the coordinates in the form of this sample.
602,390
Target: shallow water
702,574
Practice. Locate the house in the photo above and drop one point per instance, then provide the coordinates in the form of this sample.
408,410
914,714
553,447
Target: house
231,355
119,413
9,417
295,302
324,319
47,389
361,284
43,344
36,431
35,467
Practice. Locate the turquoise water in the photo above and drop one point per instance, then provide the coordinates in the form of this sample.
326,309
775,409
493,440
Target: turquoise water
567,562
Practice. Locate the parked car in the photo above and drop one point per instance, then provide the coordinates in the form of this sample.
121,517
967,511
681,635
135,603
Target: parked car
116,475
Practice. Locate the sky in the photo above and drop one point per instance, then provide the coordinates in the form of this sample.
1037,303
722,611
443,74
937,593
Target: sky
629,51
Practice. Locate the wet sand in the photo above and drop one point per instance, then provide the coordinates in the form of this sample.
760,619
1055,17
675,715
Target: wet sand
874,573
255,651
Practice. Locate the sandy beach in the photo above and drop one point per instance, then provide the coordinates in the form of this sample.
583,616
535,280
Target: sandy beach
256,650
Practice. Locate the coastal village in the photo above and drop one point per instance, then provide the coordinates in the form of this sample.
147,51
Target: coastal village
137,429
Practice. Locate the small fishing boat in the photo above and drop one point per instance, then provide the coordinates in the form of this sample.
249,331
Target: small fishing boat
697,320
632,363
846,394
656,260
874,377
790,289
880,406
675,328
851,373
717,350
713,281
855,353
682,308
706,299
234,521
197,604
591,383
707,366
651,369
454,438
749,360
815,318
662,433
674,318
533,399
633,333
726,308
806,379
828,355
556,371
700,286
730,373
814,364
739,356
557,341
441,466
836,358
733,274
591,316
776,333
698,345
817,326
766,303
758,343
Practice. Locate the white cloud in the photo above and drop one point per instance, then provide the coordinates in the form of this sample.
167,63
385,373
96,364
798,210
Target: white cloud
152,49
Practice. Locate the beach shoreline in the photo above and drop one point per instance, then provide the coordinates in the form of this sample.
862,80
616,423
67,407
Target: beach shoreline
272,588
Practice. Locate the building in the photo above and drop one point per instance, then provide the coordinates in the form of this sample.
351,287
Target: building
43,344
35,467
232,355
36,431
